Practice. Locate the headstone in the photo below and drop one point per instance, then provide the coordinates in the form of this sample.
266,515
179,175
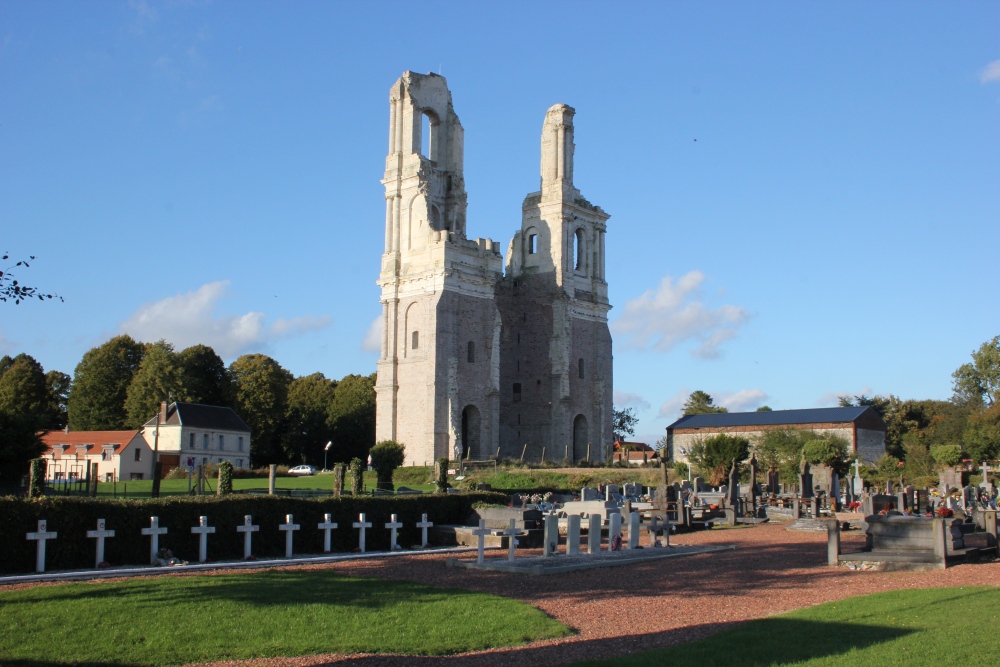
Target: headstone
248,529
272,471
593,534
362,525
481,532
835,492
154,531
512,532
614,531
339,474
633,490
393,526
655,527
611,490
733,496
551,535
327,525
100,534
633,530
289,527
423,525
805,480
754,489
203,530
587,493
573,535
41,535
858,486
698,484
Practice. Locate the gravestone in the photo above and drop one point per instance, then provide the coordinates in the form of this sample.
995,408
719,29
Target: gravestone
593,534
610,491
805,480
573,535
733,493
154,531
100,535
248,529
773,482
481,532
614,531
858,484
361,525
835,492
328,525
698,484
551,537
512,533
203,530
587,493
632,490
423,525
633,530
289,527
41,536
393,526
339,475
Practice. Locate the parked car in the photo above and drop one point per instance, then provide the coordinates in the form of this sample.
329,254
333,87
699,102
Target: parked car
302,470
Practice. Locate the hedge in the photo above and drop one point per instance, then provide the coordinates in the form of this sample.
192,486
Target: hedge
72,517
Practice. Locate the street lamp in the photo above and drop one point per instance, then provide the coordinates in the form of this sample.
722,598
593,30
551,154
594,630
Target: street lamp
325,450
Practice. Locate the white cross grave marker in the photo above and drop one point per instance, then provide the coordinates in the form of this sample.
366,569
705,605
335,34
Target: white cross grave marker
326,527
289,529
41,535
101,533
248,529
202,530
393,526
362,524
481,534
512,534
154,531
423,525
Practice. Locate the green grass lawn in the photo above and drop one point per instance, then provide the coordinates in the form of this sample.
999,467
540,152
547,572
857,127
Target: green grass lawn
175,620
938,626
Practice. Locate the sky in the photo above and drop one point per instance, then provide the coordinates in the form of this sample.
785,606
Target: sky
805,197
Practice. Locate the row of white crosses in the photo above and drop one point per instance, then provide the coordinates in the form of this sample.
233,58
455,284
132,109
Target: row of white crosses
203,530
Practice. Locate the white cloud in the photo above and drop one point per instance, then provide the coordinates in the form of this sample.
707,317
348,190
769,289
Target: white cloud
831,399
990,73
191,318
743,400
671,409
373,339
666,316
623,399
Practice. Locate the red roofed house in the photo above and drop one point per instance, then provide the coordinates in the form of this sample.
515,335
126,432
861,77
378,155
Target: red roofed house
119,455
636,453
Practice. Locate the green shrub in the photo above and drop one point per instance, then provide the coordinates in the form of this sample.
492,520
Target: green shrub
177,473
947,455
36,481
225,478
831,451
71,517
357,476
441,481
386,457
681,469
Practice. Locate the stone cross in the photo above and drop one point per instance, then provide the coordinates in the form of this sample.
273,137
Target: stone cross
614,528
41,535
326,527
511,534
393,526
654,527
289,529
101,533
423,525
481,534
573,535
203,530
594,534
362,524
154,531
633,530
248,529
550,533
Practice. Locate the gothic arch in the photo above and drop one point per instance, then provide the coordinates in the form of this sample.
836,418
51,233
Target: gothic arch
471,431
580,438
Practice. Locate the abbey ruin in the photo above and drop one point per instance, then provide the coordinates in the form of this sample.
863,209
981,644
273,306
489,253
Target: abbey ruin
485,355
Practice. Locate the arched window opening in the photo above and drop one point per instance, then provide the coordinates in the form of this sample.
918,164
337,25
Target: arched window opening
470,430
581,368
415,340
580,249
472,352
425,135
581,439
532,244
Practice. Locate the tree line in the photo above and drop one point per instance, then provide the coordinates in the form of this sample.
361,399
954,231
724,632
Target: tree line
119,385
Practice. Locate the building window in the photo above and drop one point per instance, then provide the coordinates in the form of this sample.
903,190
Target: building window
204,440
581,369
239,463
472,352
204,460
107,454
138,454
415,340
109,477
222,441
191,440
136,477
239,444
580,246
533,244
517,392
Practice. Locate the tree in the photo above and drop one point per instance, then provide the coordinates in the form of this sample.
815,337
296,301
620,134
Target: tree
159,377
714,456
100,385
309,426
700,403
23,394
981,438
830,450
978,383
206,379
764,408
387,455
353,417
19,443
262,400
11,289
58,385
624,423
948,456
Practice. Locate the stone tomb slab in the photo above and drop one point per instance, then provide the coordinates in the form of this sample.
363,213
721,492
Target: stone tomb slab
540,565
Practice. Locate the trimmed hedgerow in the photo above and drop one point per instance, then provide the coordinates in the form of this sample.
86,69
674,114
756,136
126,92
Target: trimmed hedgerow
72,517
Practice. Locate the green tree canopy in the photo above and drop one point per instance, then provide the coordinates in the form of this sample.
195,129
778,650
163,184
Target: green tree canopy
261,386
23,392
206,379
831,450
58,385
100,385
947,455
714,456
624,423
981,438
19,443
978,383
764,408
310,427
700,403
353,417
158,378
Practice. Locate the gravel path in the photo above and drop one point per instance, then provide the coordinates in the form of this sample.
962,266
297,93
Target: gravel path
658,603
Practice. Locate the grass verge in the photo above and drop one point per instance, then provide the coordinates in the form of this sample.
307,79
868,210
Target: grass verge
176,620
937,626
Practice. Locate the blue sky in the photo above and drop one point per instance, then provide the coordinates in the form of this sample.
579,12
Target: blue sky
805,197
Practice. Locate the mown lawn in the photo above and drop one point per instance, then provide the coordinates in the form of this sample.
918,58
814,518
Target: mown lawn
176,620
938,626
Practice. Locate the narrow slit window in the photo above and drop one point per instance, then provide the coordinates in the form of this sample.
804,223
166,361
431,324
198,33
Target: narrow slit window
517,392
472,352
415,340
581,369
579,250
532,244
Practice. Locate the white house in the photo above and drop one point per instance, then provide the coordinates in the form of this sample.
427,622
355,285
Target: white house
119,455
190,434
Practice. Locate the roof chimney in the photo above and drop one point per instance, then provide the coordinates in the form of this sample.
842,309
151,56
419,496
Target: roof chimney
163,412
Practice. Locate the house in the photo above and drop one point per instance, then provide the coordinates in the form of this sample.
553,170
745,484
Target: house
861,426
191,434
119,455
636,453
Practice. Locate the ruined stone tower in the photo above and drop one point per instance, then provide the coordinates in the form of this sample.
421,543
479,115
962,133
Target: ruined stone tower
474,362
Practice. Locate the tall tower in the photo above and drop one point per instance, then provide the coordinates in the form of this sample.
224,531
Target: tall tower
438,374
556,371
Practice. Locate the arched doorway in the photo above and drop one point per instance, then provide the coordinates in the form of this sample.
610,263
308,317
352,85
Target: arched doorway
580,438
470,431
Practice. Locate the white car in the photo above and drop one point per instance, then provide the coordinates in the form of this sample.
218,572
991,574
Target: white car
302,470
